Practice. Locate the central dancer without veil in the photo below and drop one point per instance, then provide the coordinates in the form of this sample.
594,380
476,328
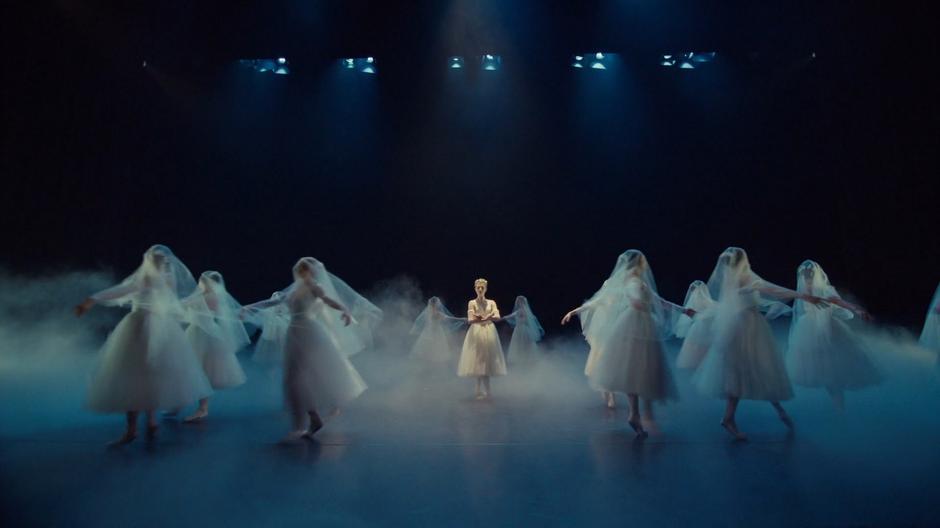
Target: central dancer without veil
625,323
482,354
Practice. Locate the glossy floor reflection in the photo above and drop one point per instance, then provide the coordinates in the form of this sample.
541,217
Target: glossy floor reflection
416,450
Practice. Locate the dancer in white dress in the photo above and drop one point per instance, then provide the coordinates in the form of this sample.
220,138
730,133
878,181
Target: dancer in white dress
743,361
695,331
355,338
930,336
317,373
216,348
629,350
147,364
482,354
824,351
526,334
274,321
436,329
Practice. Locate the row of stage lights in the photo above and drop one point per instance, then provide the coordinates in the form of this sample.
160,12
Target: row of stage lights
688,60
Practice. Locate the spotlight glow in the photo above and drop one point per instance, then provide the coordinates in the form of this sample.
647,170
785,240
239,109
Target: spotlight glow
687,60
363,64
455,63
278,66
598,60
599,56
491,62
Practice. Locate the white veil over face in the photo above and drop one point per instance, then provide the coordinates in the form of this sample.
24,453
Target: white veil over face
367,316
159,283
609,299
812,280
225,308
697,298
435,313
523,319
733,278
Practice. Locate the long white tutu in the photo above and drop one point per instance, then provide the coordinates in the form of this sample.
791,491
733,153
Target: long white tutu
482,353
217,356
434,344
743,360
147,364
630,359
825,352
317,375
269,349
522,348
696,343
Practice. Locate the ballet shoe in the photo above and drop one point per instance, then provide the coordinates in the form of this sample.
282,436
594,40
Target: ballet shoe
197,416
732,428
127,438
638,428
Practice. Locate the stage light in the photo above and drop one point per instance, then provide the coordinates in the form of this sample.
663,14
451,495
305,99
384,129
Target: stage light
687,60
455,63
278,66
599,61
491,62
363,64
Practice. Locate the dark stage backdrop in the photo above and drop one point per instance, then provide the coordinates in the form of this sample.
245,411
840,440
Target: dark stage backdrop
535,176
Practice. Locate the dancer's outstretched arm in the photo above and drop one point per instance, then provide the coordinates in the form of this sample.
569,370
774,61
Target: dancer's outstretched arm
114,292
329,301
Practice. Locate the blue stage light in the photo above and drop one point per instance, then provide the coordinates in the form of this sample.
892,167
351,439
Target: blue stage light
455,63
278,66
599,61
363,64
491,62
687,60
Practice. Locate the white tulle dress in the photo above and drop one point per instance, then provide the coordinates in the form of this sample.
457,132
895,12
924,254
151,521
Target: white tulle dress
146,363
436,329
220,334
630,357
695,331
526,333
482,353
743,360
824,351
274,322
317,374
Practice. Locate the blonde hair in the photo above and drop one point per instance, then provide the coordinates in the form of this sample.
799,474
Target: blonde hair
479,282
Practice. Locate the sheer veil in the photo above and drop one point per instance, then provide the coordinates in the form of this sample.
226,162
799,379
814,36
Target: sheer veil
357,336
733,277
226,313
159,283
697,298
610,298
930,335
528,322
435,310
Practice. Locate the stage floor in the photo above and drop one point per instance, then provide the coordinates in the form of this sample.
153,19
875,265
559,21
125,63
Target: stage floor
417,450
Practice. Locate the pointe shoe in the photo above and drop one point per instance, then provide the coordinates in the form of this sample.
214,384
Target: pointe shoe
611,403
638,428
308,434
124,440
293,436
732,428
197,416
